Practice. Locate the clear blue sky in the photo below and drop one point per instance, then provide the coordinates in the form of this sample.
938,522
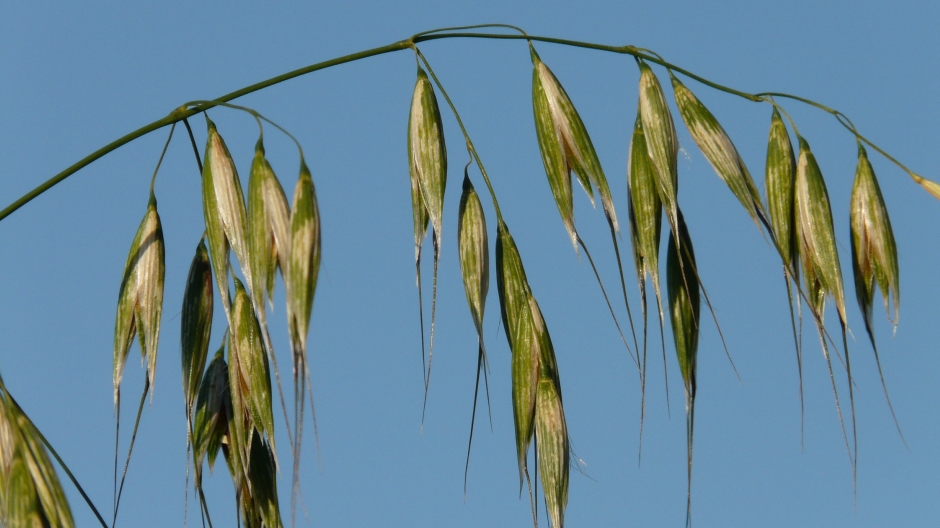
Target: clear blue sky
73,77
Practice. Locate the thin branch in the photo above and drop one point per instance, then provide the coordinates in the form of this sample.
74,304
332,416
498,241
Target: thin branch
192,141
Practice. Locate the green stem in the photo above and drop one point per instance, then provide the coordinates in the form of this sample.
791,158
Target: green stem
258,117
183,112
192,141
847,123
166,145
475,26
623,50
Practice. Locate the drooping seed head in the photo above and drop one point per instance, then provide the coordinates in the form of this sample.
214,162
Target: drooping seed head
566,147
661,140
514,296
874,251
551,430
278,216
682,286
125,325
196,325
554,455
215,232
718,149
260,237
151,271
304,256
780,181
474,252
253,371
240,421
646,207
220,171
427,153
263,484
210,423
816,236
140,299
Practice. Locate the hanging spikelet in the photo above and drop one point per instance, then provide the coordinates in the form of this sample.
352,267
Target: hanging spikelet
474,255
551,429
684,312
718,149
661,141
780,181
874,251
566,147
514,295
215,233
140,300
822,273
304,267
817,237
251,365
196,325
212,414
536,386
219,173
874,254
30,492
646,218
427,162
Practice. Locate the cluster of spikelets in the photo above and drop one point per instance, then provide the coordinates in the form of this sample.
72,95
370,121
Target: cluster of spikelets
796,217
229,403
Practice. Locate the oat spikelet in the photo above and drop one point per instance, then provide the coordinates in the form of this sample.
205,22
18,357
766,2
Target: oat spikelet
140,299
427,162
718,149
682,285
662,144
566,147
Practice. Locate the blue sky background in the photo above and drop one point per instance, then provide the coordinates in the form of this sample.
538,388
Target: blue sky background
73,77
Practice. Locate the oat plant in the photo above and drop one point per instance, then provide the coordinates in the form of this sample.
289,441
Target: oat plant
254,232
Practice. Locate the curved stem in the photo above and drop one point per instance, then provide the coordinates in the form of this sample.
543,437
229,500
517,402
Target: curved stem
250,111
623,50
183,113
475,26
847,123
253,113
192,141
166,145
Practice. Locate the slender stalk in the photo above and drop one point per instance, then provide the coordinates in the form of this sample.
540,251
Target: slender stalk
183,113
847,123
192,141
